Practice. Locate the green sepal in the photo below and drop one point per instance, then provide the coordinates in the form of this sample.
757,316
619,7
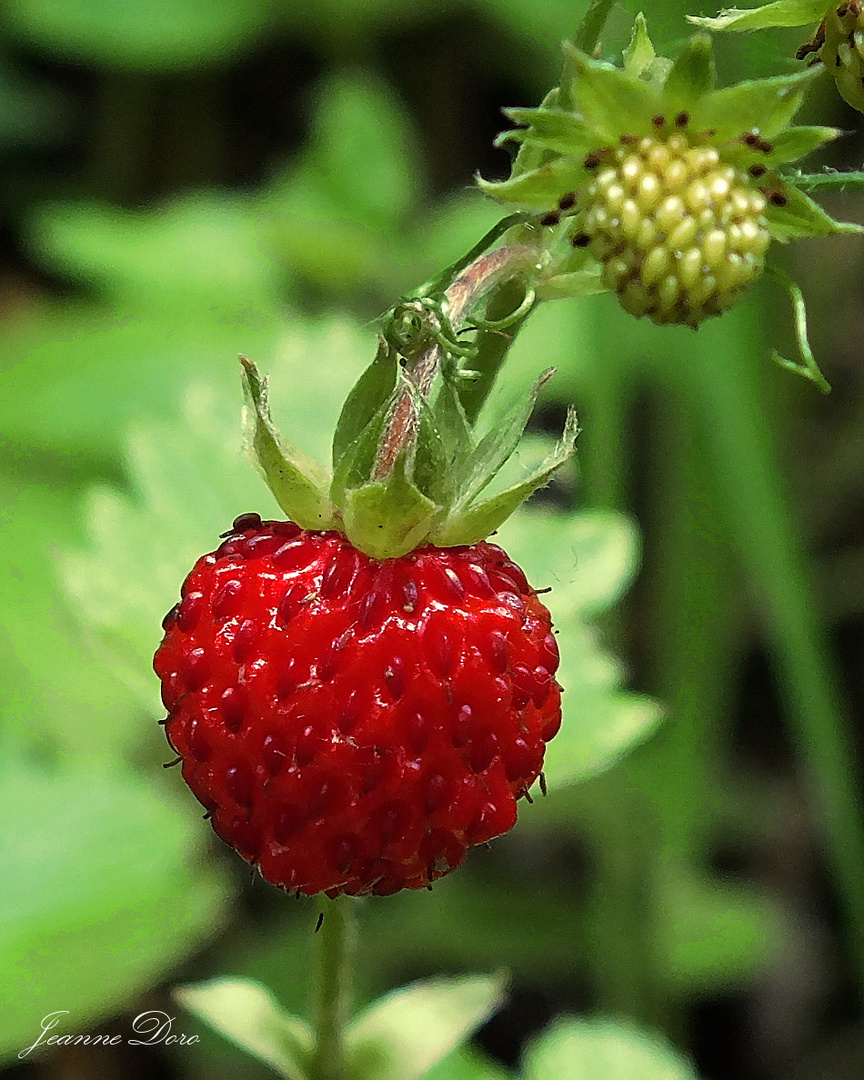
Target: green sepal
372,390
692,77
498,444
299,484
610,100
797,142
471,525
531,157
552,129
801,217
763,105
388,518
780,13
428,459
358,459
455,432
539,189
639,54
807,367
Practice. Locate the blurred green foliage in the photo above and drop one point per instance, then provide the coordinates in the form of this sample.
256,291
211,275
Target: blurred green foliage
120,463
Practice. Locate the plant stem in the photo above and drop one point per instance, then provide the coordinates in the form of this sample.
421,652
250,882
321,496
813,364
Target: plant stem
331,993
483,275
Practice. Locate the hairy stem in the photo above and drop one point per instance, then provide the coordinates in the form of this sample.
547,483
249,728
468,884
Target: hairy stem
483,275
331,994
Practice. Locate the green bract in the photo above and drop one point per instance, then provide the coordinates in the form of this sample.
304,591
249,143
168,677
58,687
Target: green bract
407,469
656,185
838,42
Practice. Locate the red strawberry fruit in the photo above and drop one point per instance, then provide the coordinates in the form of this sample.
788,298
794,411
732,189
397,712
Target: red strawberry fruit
353,725
361,696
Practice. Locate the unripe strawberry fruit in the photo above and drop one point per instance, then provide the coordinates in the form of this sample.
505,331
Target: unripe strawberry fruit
679,233
354,725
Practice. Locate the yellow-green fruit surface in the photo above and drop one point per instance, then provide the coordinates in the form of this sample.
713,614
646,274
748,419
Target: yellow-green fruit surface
679,232
843,51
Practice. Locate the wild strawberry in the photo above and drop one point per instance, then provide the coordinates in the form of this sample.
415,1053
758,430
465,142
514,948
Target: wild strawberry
668,190
360,697
354,725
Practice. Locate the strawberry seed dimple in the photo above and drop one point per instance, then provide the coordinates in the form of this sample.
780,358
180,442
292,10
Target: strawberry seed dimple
418,732
394,677
306,746
495,651
483,750
238,781
463,726
435,792
245,640
232,702
171,618
409,596
438,645
189,611
274,754
347,849
197,669
338,576
198,743
288,823
224,602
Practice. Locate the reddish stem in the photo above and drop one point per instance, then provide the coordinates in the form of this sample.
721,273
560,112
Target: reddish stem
481,276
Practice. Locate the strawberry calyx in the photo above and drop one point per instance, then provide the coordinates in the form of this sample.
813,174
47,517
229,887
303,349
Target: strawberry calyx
408,466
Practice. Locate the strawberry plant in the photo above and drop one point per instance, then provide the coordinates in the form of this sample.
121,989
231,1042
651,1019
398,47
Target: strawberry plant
362,693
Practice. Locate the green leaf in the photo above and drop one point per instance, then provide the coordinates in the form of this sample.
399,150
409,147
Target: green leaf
611,101
373,390
203,250
498,444
166,34
403,1035
602,724
763,105
797,142
109,892
247,1013
390,517
692,76
801,217
572,1049
780,13
572,283
477,521
466,1063
299,484
553,129
639,54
